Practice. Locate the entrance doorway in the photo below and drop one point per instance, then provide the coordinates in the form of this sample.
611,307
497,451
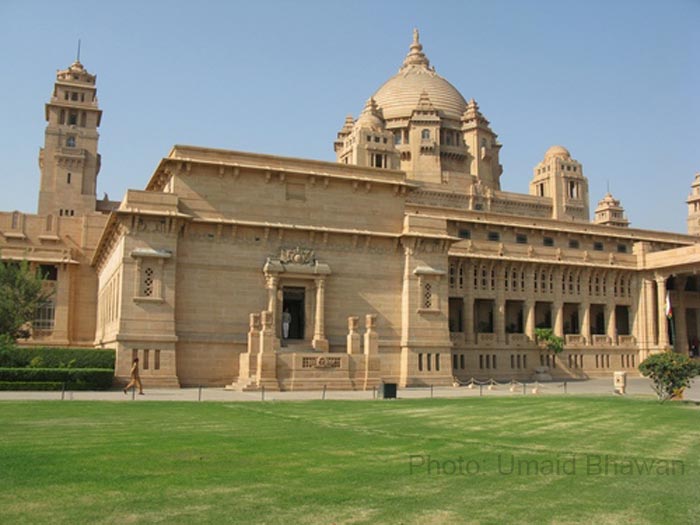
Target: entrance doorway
293,302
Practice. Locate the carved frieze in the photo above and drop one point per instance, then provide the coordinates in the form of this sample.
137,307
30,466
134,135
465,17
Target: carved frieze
297,255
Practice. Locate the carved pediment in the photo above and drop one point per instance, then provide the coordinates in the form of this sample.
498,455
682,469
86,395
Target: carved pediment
297,255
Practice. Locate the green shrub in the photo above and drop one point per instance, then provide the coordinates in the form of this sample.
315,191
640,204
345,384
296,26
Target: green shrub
36,362
19,357
670,373
546,339
75,378
30,385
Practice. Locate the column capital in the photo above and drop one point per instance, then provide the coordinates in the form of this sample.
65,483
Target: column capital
660,279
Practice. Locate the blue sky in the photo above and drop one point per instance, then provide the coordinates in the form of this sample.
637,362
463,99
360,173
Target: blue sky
616,82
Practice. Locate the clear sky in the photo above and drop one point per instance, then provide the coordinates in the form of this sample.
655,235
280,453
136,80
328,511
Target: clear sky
615,81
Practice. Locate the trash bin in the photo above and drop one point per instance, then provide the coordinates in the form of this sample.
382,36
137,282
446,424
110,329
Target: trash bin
387,391
620,382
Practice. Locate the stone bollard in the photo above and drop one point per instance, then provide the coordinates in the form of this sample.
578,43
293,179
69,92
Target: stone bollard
353,338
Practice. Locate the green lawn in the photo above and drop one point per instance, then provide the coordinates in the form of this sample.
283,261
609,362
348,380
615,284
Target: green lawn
351,462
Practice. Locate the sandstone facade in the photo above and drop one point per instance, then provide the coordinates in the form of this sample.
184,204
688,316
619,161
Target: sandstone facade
403,261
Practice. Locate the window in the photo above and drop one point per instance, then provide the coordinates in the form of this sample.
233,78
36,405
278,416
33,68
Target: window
74,96
70,141
425,134
73,118
548,241
573,243
598,246
464,234
494,236
397,137
621,248
44,316
427,295
521,238
48,272
68,175
540,190
62,117
147,281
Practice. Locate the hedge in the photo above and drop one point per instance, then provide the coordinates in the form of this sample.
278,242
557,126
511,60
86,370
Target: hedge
30,385
41,357
75,378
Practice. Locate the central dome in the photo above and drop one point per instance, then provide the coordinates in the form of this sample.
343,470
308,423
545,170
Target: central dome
399,95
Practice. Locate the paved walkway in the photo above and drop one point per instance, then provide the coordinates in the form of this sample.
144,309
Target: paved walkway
636,386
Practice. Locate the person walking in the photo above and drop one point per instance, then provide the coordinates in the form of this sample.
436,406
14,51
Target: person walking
135,378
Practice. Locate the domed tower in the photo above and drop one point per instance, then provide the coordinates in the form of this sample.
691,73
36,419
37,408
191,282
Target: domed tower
69,161
438,137
694,207
366,142
610,213
560,178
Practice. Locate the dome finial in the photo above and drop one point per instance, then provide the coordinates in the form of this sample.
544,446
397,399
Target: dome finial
415,56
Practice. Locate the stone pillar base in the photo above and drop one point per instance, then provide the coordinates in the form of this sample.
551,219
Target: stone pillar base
320,345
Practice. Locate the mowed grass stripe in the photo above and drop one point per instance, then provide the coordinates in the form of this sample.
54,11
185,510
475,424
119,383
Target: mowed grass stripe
340,462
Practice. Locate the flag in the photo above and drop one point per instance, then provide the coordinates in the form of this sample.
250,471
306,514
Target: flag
668,309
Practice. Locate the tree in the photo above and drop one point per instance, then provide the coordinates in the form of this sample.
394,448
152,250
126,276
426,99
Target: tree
549,341
21,293
670,373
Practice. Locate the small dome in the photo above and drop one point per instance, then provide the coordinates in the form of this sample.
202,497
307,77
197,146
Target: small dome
399,95
557,151
370,117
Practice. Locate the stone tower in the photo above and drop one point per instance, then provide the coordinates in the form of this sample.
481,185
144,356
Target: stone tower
69,161
560,178
366,142
694,207
610,213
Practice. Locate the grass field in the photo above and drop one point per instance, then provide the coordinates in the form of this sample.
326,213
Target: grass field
491,461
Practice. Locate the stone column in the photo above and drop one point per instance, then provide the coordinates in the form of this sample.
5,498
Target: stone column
63,307
272,285
558,314
530,319
254,334
320,342
372,362
371,336
558,303
610,322
469,318
661,310
500,309
266,373
529,306
681,343
353,338
585,316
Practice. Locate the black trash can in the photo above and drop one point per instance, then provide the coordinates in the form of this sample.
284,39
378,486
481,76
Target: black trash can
387,391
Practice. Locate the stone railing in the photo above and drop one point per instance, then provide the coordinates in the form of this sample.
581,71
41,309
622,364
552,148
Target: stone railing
600,340
518,339
575,340
626,340
486,339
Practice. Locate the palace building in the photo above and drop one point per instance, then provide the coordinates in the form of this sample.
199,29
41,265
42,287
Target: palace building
403,261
